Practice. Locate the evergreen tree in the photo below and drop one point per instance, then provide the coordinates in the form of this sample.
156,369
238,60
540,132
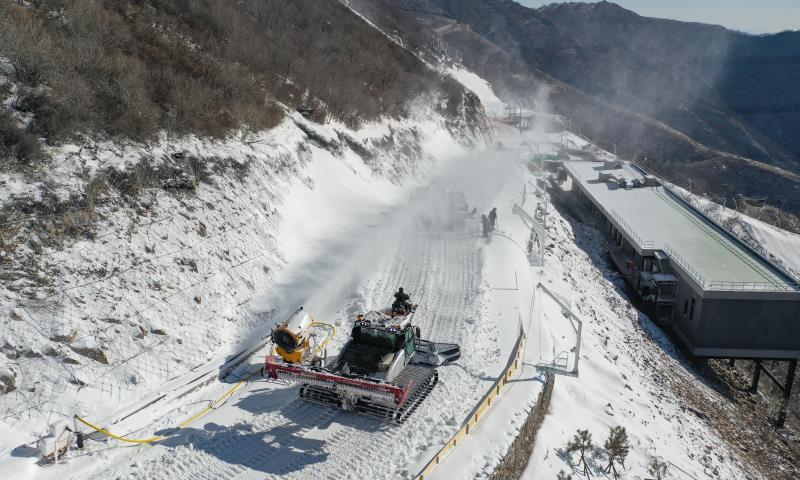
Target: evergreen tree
563,476
617,448
581,443
657,469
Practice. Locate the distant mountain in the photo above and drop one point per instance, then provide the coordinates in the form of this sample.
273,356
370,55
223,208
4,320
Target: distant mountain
693,99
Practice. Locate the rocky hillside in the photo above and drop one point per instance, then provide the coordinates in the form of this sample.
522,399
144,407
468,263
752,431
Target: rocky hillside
94,76
148,150
134,69
689,99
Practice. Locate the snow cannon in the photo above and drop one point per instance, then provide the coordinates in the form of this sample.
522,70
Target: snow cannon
384,371
291,338
296,340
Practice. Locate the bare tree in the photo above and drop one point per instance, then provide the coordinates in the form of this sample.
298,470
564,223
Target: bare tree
134,69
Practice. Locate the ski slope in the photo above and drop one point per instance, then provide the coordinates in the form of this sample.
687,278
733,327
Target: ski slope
336,270
266,431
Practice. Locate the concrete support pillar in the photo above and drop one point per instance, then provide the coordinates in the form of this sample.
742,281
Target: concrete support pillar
787,393
756,376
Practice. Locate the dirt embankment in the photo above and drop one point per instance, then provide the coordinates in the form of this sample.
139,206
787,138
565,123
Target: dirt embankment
514,461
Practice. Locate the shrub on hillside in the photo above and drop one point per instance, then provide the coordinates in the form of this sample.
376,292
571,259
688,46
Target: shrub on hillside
134,68
16,144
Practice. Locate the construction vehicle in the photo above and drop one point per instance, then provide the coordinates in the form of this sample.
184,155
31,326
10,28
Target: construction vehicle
384,371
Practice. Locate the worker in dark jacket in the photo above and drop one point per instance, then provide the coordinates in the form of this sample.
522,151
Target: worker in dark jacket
402,301
485,224
493,219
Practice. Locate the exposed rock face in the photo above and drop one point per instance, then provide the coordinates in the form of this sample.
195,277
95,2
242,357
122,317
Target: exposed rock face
516,459
90,349
66,336
8,380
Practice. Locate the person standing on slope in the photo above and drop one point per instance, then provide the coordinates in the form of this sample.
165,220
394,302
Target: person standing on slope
485,224
493,219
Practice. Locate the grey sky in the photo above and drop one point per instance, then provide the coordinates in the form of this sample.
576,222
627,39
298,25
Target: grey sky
753,16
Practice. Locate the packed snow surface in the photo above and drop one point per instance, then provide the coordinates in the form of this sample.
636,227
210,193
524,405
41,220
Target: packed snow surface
174,284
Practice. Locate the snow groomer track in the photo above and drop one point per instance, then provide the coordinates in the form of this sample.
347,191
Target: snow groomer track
266,431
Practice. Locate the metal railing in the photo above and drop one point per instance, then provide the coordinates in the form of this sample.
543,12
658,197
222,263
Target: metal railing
685,265
750,286
481,409
682,196
718,285
537,235
723,285
628,230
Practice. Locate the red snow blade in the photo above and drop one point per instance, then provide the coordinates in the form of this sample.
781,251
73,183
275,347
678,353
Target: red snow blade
374,389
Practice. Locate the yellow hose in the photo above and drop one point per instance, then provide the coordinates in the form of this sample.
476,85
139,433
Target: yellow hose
213,405
109,434
328,340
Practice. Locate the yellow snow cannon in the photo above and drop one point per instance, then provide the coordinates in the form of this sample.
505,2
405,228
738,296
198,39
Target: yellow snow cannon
295,341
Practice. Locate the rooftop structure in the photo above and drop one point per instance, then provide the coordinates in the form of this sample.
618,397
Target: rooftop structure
651,219
720,297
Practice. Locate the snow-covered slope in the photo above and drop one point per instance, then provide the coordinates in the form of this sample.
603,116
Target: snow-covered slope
782,244
491,103
360,238
171,279
631,375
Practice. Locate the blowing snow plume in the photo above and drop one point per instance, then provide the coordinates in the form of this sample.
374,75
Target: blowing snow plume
144,150
354,227
692,101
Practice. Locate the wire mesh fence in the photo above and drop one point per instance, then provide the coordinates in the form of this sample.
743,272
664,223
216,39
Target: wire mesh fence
164,305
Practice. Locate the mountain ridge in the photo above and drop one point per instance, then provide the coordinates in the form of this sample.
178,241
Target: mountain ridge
604,66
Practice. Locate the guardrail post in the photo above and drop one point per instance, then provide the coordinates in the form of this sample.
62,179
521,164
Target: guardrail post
486,402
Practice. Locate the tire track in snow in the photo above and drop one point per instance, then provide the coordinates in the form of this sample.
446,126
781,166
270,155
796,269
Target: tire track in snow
298,439
228,451
440,274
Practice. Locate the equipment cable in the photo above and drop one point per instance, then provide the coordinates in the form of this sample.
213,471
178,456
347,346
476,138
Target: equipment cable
212,406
